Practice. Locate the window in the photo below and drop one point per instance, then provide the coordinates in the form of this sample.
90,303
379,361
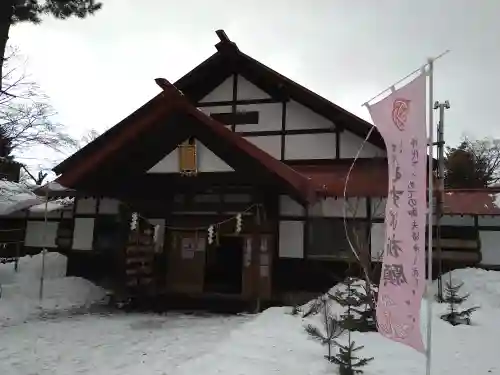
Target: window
188,157
327,238
107,233
64,238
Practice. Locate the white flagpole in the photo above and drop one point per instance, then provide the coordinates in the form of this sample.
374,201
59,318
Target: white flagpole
430,219
44,249
365,104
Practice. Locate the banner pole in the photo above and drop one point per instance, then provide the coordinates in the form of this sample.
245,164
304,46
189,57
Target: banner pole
391,87
430,218
44,248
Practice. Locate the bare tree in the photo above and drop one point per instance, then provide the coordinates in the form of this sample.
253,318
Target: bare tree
26,117
473,164
359,235
29,178
359,240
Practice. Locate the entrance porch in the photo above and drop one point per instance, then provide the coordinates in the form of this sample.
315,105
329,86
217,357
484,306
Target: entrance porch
216,243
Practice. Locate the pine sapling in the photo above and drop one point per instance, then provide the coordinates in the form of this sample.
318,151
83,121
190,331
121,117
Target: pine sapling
296,310
451,296
331,328
349,363
361,304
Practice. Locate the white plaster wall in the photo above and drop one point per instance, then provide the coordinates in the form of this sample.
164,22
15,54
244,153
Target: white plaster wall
207,162
300,117
109,206
310,146
490,248
458,221
289,207
222,92
247,90
489,221
83,234
269,117
331,207
378,207
169,164
39,235
86,206
217,109
291,239
270,144
351,143
377,238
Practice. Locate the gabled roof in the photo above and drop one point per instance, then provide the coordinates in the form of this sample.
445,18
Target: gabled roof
229,59
144,139
213,71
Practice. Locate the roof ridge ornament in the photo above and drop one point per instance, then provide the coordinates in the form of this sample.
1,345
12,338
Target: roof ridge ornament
225,43
165,85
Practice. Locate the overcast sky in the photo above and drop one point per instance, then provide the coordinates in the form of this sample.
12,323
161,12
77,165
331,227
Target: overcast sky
100,69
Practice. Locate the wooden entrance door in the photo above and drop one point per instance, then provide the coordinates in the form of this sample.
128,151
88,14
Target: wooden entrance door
186,262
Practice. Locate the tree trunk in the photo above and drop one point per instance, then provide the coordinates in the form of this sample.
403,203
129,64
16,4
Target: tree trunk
6,13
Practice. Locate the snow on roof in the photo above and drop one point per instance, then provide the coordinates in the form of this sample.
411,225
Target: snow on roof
55,205
53,189
55,186
15,197
496,199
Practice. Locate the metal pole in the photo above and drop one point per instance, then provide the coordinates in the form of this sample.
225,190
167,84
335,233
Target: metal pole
440,195
44,243
18,251
430,219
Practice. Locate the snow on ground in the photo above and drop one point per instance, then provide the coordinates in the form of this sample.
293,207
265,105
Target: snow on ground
269,343
482,285
118,344
20,301
275,342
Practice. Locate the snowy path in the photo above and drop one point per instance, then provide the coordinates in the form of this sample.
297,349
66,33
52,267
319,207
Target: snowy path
117,344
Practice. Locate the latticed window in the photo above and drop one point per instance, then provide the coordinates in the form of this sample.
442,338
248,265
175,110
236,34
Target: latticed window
188,157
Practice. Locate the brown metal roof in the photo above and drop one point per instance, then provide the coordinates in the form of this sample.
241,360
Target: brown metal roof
367,178
472,201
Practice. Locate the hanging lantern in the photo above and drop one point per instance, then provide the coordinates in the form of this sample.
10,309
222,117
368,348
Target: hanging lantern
211,233
135,218
239,223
